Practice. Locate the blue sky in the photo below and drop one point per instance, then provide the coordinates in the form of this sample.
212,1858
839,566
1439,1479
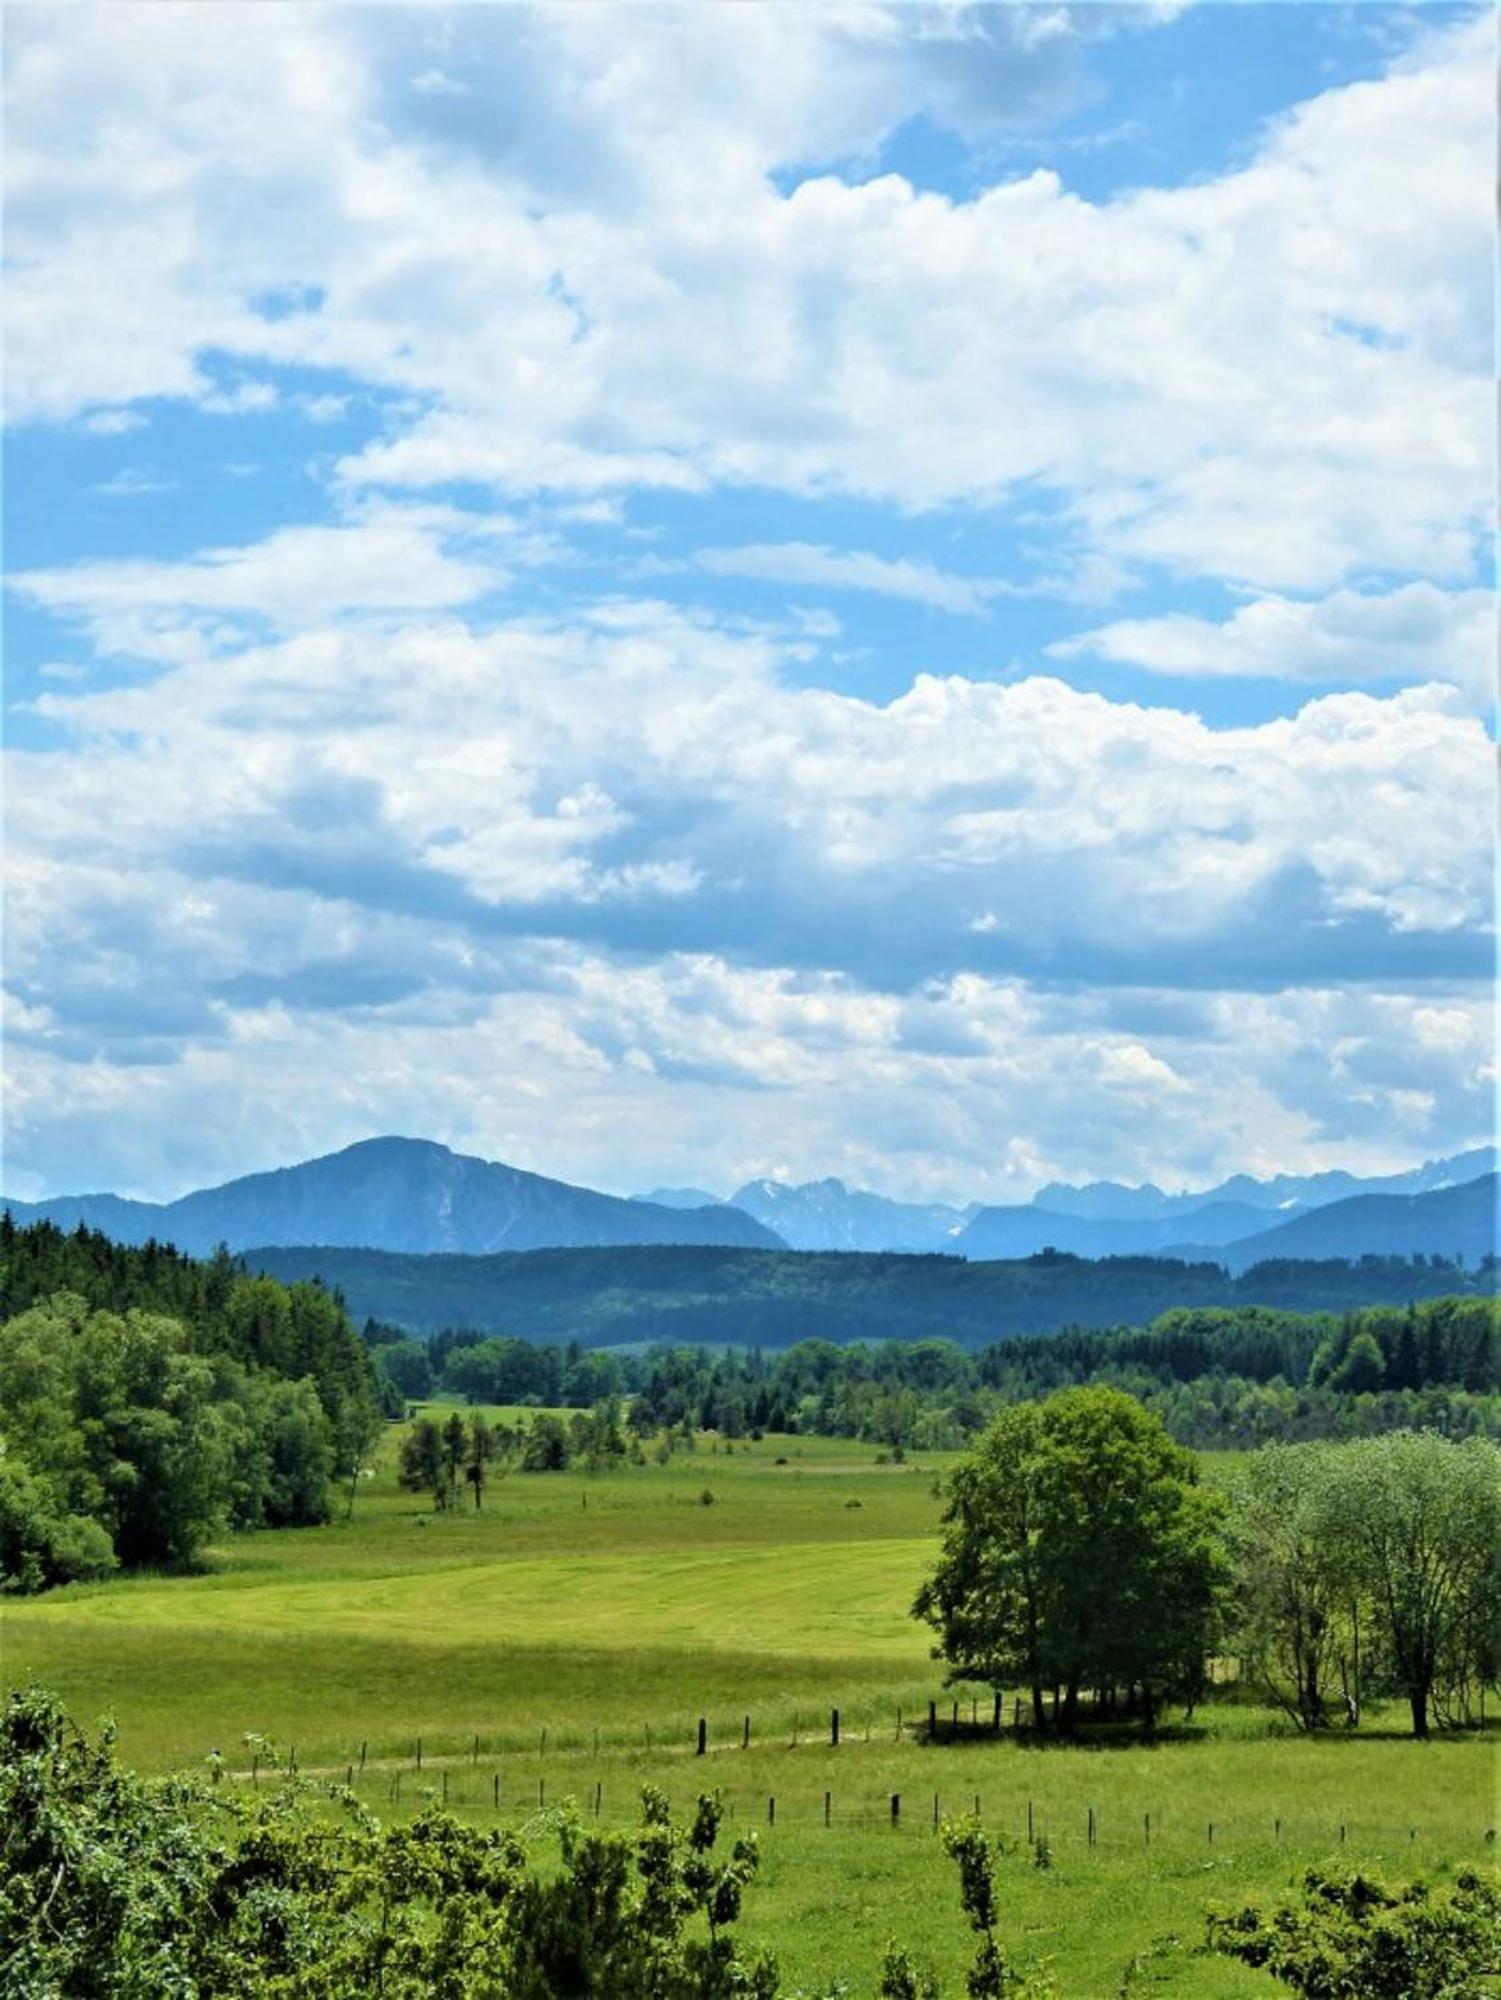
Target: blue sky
675,593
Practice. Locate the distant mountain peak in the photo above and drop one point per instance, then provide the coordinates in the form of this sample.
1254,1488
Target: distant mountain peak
410,1195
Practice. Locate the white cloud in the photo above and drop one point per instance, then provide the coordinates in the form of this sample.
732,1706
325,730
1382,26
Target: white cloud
113,423
391,559
1278,375
729,1072
132,482
807,563
1415,633
358,859
583,781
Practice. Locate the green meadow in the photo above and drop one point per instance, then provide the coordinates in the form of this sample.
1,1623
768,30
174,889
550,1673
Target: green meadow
565,1641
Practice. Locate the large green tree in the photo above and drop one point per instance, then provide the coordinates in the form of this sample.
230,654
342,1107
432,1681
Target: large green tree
1079,1552
1419,1519
1298,1613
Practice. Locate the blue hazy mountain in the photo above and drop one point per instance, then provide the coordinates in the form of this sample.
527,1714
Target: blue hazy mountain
1108,1219
400,1194
680,1197
1447,1222
827,1215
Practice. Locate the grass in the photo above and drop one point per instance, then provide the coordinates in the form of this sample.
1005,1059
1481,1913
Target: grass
578,1628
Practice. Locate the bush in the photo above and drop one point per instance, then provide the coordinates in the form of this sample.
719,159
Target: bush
40,1542
1351,1934
118,1888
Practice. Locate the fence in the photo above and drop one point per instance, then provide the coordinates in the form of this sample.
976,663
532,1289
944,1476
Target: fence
513,1799
472,1779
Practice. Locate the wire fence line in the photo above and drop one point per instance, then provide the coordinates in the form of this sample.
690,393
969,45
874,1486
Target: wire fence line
923,1721
1028,1822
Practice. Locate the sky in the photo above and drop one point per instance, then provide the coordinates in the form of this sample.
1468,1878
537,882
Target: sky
667,593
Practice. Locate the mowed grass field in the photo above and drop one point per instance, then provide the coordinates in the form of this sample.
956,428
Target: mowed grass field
564,1642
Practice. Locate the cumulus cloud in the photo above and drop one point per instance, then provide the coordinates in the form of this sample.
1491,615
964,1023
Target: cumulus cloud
1277,375
379,846
795,821
1414,633
386,559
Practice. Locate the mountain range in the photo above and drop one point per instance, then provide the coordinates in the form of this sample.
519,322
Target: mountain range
400,1194
416,1197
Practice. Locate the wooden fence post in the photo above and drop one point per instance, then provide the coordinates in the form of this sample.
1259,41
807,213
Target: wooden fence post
419,1753
599,1797
834,1728
745,1735
935,1809
363,1747
932,1720
828,1806
896,1808
496,1789
771,1810
703,1736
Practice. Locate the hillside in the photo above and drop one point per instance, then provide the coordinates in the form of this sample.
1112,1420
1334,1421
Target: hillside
406,1195
1024,1231
1452,1222
617,1296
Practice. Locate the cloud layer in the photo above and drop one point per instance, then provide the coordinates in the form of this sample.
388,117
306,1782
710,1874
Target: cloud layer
497,790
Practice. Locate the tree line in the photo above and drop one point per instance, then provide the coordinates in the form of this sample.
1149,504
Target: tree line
684,1294
149,1402
1218,1376
457,1455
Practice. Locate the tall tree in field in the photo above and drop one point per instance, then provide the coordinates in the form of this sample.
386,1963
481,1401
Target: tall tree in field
1297,1599
421,1467
1421,1519
1079,1552
454,1444
479,1450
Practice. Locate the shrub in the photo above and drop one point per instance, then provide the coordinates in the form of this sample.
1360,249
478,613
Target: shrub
1351,1934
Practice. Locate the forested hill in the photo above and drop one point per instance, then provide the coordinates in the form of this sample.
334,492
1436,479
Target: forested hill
295,1329
149,1403
610,1297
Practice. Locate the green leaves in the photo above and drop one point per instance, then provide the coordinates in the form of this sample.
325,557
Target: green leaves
1079,1553
127,1890
1351,1935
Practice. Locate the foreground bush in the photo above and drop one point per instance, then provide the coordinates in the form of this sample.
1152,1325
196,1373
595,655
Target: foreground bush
124,1889
115,1887
1353,1938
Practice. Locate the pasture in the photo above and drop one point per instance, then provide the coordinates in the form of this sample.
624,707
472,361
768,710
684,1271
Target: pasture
565,1641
